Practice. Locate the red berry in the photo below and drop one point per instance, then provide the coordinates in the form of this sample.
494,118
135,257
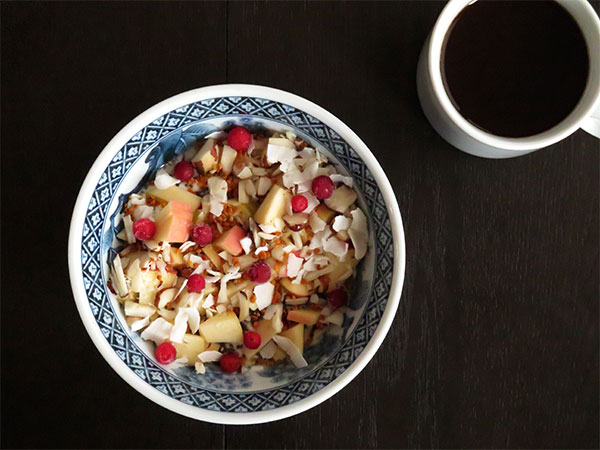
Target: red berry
252,339
323,187
202,235
239,138
259,272
165,353
338,298
144,229
196,283
184,170
299,203
230,362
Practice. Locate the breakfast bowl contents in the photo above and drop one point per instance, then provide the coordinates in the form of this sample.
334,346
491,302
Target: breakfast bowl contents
236,254
240,252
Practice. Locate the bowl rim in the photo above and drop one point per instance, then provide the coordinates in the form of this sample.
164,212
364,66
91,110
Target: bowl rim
74,249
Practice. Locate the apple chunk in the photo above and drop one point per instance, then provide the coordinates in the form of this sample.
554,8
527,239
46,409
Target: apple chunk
224,327
207,157
267,331
324,213
300,290
230,240
228,156
273,206
305,316
296,335
177,194
191,346
213,256
341,199
174,222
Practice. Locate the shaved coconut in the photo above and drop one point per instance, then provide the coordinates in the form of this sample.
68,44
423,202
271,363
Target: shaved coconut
266,236
335,246
248,186
277,253
186,245
290,348
208,302
158,331
261,249
254,230
259,171
264,294
226,256
336,318
200,368
139,324
128,229
272,310
280,150
218,194
314,298
232,274
245,173
337,178
319,238
244,308
164,181
210,356
299,276
221,309
268,350
242,195
358,233
133,309
181,288
296,301
136,199
341,223
316,223
297,239
119,281
143,212
180,327
193,319
267,228
167,314
166,297
289,248
122,235
293,265
278,223
264,184
313,201
319,273
246,244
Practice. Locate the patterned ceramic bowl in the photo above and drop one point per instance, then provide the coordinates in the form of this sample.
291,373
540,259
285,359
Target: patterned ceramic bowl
264,393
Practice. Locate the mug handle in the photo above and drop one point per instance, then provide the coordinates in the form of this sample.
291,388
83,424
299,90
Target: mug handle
592,123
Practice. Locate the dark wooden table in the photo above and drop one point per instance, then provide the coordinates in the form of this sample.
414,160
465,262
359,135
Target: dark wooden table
495,343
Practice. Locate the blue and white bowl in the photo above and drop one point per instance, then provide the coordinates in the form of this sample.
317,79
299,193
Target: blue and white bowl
262,394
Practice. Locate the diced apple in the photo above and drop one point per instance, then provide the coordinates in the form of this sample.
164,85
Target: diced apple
224,327
341,199
341,272
207,157
177,259
324,213
230,240
168,280
228,156
148,286
300,290
177,194
174,222
305,316
266,331
296,335
191,346
213,256
273,206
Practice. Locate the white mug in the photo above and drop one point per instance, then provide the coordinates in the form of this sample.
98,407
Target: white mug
459,132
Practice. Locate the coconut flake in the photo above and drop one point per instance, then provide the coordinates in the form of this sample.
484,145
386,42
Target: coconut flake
341,223
246,244
264,184
266,236
264,294
314,298
164,181
336,318
335,246
221,308
254,230
119,281
337,178
245,173
280,151
200,368
261,249
297,239
136,199
316,223
271,310
293,265
208,302
267,228
210,356
232,274
134,309
128,224
358,233
158,331
186,245
139,324
179,328
218,194
268,351
143,212
290,348
296,301
319,238
313,202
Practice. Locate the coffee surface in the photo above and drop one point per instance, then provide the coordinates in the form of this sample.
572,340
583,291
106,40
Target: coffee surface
515,68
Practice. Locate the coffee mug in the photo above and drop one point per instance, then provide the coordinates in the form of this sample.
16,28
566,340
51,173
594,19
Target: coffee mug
454,128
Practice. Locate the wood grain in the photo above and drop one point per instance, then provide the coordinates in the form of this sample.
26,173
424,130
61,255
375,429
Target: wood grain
495,344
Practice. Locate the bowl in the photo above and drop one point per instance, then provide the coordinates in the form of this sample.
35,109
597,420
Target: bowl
262,394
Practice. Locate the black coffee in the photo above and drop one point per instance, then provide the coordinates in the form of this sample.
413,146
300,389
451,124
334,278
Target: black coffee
515,68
